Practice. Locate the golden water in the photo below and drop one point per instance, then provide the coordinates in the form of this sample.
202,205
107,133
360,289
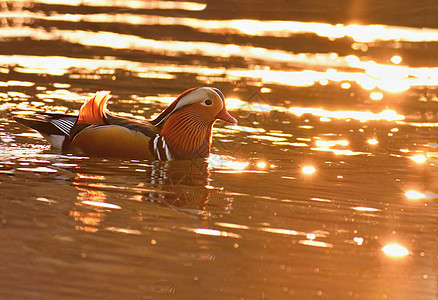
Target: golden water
325,190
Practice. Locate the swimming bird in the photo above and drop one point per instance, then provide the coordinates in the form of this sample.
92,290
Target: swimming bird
183,131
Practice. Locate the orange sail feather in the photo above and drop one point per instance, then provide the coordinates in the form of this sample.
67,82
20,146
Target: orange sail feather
93,111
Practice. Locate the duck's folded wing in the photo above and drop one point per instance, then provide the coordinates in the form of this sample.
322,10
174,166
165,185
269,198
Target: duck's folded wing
134,124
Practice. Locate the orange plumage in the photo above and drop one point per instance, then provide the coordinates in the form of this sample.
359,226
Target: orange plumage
93,111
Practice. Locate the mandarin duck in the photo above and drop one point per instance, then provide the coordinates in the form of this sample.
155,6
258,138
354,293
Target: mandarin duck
182,131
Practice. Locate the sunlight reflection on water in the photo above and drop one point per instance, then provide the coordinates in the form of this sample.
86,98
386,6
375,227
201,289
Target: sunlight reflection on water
329,177
359,33
134,4
395,250
390,78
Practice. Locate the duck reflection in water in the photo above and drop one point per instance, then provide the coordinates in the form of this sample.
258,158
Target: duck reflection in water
186,184
182,186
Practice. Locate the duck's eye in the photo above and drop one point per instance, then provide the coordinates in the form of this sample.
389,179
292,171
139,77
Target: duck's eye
208,102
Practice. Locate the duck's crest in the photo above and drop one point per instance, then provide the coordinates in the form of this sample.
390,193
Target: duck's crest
93,111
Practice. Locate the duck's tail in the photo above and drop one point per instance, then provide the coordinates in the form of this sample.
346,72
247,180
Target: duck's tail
53,127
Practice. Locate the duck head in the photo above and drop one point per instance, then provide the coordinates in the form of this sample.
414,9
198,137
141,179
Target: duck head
187,123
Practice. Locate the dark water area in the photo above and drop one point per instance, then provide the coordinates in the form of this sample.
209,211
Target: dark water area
325,190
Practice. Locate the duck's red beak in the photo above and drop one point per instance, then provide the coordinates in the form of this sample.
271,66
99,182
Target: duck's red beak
225,115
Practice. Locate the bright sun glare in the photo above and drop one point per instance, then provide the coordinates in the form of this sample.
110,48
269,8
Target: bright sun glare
308,170
395,250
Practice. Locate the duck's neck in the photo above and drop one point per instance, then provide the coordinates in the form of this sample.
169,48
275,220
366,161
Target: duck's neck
187,134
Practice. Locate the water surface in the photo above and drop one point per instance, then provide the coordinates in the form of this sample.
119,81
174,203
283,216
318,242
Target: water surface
325,190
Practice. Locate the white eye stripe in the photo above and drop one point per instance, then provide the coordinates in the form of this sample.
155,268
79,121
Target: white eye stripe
196,95
191,98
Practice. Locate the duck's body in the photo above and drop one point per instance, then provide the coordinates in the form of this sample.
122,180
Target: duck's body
182,131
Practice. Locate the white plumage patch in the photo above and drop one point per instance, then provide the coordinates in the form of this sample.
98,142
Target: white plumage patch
161,150
55,140
156,150
166,148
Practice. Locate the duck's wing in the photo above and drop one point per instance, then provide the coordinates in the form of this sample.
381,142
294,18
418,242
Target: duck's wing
142,126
